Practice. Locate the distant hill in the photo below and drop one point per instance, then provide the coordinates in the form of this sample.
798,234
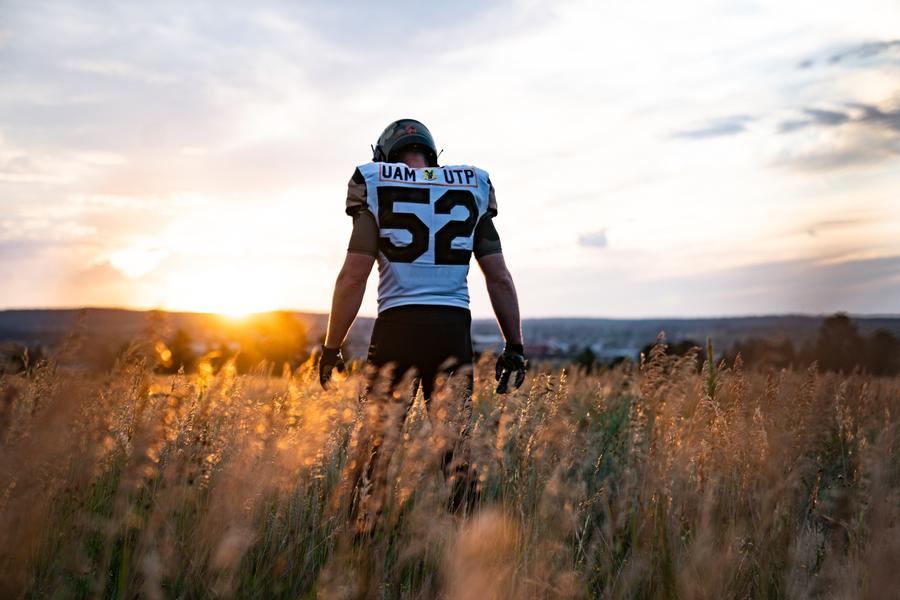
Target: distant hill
107,331
114,327
627,336
51,326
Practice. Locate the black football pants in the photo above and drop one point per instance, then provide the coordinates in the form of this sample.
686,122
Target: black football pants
428,338
431,340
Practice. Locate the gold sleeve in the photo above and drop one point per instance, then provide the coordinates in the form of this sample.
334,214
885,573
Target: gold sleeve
356,194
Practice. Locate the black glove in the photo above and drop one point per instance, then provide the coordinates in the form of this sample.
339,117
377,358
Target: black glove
512,360
331,359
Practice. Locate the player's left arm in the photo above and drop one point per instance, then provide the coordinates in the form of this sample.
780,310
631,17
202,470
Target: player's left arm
502,290
504,300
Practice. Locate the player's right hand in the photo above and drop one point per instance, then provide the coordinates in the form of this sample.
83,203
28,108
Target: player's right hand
511,361
330,359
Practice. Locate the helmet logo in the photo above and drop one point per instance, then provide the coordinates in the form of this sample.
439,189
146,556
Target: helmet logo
410,129
429,175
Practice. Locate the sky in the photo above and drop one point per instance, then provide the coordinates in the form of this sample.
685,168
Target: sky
699,158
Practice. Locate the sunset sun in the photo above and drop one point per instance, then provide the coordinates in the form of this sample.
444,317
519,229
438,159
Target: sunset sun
222,291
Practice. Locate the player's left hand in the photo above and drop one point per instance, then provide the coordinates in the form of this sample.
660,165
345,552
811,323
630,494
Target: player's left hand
511,361
330,359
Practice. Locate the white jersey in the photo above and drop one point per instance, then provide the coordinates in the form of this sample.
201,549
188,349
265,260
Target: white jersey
426,220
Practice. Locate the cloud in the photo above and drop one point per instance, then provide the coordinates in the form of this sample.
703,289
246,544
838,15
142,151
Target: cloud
864,134
17,249
871,116
864,286
724,126
862,52
827,118
99,284
596,239
814,285
99,274
889,119
820,226
841,155
850,132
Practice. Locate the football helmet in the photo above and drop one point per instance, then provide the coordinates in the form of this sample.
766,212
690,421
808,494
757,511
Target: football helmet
403,134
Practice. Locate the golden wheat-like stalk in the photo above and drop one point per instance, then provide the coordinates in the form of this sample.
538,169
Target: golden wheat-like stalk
650,482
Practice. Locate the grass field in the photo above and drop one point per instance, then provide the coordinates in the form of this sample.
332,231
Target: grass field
657,481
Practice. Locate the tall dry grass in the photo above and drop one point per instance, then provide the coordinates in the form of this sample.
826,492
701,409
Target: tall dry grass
652,482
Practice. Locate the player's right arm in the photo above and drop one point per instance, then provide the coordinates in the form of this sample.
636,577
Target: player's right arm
362,249
349,290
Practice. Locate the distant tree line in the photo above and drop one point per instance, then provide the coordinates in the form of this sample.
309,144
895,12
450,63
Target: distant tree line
838,347
274,340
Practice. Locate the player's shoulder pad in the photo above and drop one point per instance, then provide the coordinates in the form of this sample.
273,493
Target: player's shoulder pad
368,169
483,179
356,193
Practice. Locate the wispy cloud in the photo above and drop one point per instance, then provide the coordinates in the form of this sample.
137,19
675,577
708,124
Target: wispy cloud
865,51
888,119
863,134
839,156
720,127
847,130
830,224
815,116
817,285
596,239
796,285
871,116
861,53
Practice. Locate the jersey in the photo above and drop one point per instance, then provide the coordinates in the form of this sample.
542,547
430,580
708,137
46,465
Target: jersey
426,221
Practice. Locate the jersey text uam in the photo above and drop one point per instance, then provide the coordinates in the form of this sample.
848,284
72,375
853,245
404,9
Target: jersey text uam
450,176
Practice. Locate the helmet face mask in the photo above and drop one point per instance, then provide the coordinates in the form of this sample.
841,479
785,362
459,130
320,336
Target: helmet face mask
401,135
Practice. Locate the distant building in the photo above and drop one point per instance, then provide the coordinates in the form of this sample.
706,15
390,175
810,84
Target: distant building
486,342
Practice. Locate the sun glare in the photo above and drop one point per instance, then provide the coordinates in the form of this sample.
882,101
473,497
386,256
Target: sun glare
231,294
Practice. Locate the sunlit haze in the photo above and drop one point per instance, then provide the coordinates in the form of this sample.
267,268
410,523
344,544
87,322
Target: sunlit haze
650,158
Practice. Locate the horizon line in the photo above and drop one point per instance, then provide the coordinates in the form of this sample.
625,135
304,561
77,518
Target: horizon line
524,318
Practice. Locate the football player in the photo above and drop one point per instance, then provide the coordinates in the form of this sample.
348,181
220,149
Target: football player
422,222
